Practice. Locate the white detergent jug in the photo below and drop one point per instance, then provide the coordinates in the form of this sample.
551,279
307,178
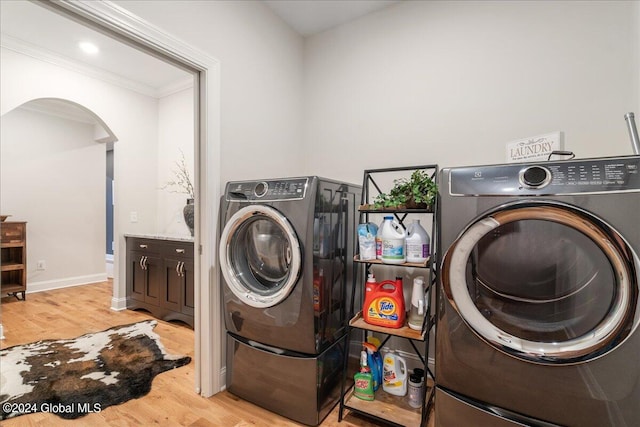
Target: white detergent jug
394,374
394,244
417,242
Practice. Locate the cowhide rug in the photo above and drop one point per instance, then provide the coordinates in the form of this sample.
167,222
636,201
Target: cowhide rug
72,378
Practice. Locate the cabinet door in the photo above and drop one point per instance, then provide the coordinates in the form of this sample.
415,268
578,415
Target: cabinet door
154,270
144,277
173,284
188,304
178,292
136,276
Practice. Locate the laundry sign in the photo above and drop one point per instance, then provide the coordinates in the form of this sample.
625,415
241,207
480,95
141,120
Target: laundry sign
534,148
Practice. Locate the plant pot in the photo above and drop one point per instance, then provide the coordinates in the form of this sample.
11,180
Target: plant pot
187,211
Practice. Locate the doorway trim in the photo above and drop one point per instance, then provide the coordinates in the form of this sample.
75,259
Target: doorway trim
119,23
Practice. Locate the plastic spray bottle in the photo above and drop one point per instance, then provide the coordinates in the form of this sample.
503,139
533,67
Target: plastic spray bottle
363,387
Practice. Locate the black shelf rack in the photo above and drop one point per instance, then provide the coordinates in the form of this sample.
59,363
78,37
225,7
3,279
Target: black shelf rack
392,410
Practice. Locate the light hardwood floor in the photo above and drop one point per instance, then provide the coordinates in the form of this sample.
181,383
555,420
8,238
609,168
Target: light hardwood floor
172,401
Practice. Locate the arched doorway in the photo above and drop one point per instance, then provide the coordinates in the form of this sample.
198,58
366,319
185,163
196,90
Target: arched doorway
53,166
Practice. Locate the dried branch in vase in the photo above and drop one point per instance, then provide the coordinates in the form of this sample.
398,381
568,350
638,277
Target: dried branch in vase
182,179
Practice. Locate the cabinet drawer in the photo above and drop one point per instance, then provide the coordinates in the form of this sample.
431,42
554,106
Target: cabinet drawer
12,232
144,245
179,249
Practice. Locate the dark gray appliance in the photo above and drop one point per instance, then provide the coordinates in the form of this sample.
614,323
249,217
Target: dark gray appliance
285,254
538,295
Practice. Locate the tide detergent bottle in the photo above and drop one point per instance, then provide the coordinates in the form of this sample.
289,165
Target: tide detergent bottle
384,304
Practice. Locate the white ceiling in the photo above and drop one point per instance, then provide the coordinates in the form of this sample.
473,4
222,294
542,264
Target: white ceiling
39,32
310,17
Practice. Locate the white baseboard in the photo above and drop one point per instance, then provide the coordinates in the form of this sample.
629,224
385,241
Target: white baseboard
65,283
223,378
109,265
118,304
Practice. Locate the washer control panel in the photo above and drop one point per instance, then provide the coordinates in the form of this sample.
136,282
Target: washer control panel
565,177
267,190
535,177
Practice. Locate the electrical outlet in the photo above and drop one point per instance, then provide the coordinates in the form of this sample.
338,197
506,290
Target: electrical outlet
133,216
41,265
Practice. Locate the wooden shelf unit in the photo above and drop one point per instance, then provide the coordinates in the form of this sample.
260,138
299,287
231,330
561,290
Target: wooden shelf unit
13,262
405,332
406,264
385,407
388,408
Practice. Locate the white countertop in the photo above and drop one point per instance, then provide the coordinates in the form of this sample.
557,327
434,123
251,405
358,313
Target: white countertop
157,237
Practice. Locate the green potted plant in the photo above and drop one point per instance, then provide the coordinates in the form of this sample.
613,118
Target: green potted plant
417,192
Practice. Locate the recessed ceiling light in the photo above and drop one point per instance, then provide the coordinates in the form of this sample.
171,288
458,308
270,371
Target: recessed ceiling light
89,48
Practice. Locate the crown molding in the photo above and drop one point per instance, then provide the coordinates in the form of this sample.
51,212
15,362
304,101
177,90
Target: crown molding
175,87
37,52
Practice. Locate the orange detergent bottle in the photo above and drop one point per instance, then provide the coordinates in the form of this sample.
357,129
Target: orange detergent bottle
384,304
370,287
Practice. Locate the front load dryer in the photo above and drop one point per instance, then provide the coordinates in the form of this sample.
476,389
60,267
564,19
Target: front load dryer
286,253
538,306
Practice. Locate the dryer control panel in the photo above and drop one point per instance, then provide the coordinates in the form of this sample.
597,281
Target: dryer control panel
267,190
615,174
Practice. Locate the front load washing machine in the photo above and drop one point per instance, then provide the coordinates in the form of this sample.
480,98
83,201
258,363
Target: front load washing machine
286,253
538,295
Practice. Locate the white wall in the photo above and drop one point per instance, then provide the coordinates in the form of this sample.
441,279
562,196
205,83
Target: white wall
143,165
52,176
132,117
452,82
261,79
175,136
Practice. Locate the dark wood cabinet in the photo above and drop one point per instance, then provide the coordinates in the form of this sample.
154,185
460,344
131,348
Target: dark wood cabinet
178,288
13,263
160,278
145,281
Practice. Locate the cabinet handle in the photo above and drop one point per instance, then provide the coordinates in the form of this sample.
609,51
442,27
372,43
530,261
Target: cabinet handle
180,251
142,262
145,263
180,268
144,246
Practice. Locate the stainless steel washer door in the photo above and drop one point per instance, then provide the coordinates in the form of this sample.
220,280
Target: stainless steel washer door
260,256
546,283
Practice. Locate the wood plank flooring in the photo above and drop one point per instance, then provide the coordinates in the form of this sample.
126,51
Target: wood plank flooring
172,401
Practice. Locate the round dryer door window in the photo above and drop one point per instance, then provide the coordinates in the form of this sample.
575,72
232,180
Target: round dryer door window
260,256
545,283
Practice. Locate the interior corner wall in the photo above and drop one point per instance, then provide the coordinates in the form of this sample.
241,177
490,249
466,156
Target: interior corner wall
452,82
175,138
50,171
260,75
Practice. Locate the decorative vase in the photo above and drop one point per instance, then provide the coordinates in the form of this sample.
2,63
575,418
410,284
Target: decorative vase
187,211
